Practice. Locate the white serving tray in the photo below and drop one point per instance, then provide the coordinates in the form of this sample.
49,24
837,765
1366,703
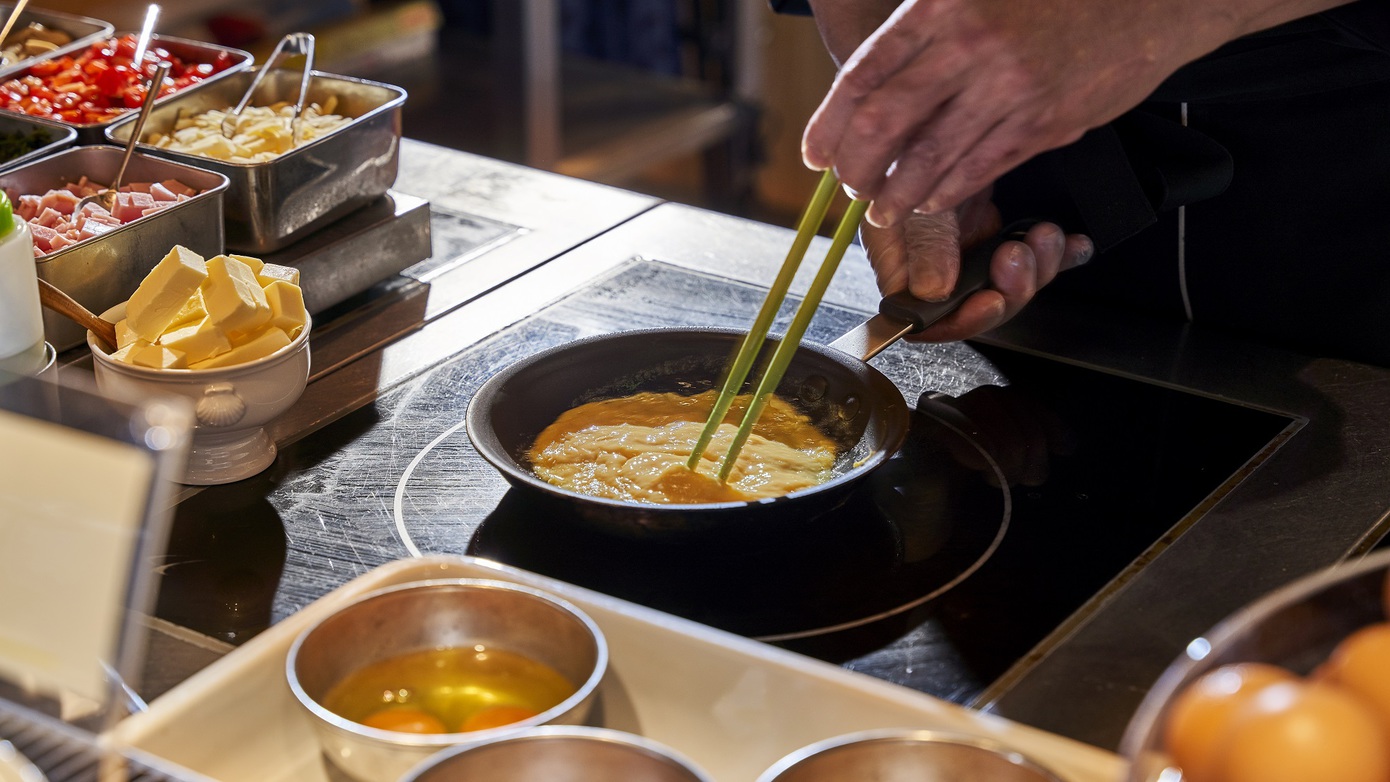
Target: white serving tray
732,705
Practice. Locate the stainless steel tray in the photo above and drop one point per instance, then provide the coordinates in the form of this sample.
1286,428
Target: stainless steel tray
84,31
103,271
60,137
189,51
272,204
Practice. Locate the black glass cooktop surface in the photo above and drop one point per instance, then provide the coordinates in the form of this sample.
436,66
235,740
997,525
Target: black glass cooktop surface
1027,485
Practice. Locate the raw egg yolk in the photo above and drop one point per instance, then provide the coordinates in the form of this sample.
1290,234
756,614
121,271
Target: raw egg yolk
1303,732
497,716
1361,664
1195,725
404,719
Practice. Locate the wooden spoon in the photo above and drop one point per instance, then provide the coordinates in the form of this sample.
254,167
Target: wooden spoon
66,306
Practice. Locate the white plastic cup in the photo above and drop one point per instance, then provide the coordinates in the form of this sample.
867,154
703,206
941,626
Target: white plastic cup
21,315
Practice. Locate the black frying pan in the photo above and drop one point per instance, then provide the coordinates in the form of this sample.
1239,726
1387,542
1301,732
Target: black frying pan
847,399
853,403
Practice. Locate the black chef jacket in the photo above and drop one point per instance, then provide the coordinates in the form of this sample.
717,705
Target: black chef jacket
1250,192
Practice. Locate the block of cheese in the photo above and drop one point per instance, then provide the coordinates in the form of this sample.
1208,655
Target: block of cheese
271,272
233,297
287,311
144,354
197,341
163,292
267,342
124,334
255,263
192,311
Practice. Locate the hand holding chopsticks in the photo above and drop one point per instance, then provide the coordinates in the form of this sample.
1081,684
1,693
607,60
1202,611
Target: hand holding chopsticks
781,358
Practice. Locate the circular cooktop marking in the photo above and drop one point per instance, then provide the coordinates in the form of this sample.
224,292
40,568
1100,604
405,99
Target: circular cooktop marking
399,504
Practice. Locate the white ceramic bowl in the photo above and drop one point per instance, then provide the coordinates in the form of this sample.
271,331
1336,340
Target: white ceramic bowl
233,404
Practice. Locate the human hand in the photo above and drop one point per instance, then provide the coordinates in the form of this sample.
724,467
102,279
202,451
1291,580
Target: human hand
947,95
922,256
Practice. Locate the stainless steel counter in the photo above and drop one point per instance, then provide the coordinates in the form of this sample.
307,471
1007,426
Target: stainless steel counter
1313,497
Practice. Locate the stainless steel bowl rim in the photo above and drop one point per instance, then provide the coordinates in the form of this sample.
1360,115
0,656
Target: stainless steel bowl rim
863,466
192,159
396,739
584,732
906,735
1146,716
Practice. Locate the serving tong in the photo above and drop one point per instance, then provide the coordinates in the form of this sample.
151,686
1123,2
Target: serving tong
292,45
810,221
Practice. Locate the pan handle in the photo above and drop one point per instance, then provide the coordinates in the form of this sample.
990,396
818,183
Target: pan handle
974,275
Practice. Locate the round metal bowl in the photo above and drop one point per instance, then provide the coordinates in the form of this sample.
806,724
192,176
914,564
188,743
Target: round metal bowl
436,614
848,400
906,755
561,754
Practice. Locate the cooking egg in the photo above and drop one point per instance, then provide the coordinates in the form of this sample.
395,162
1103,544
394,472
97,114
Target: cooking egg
1361,663
1296,731
1199,716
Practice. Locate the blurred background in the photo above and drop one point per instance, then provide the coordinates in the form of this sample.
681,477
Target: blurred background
696,101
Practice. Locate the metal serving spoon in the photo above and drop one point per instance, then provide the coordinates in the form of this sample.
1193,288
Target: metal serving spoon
107,198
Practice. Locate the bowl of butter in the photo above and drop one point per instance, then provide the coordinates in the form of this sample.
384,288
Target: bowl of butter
229,333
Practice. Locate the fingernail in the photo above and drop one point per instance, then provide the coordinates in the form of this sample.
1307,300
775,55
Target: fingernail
933,285
1085,254
878,217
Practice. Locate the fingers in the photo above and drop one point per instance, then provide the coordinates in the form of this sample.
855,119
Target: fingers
1018,270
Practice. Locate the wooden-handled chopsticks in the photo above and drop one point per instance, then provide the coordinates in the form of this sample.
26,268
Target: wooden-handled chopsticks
757,333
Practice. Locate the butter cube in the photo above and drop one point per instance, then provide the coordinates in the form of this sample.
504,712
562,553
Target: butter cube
287,311
197,341
254,263
265,343
156,357
124,353
271,272
233,297
124,334
163,292
192,311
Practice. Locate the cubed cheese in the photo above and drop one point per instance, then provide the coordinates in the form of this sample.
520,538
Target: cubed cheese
287,311
233,297
156,356
163,292
192,311
125,335
197,341
271,272
254,263
267,342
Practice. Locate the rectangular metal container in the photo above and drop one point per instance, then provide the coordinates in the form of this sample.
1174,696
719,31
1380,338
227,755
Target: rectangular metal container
186,50
60,137
103,271
273,204
84,31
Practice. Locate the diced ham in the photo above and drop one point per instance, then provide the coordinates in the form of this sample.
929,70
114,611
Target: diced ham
56,222
132,206
43,237
59,200
29,206
48,218
178,188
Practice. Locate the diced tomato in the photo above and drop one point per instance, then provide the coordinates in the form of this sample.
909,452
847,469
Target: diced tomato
45,68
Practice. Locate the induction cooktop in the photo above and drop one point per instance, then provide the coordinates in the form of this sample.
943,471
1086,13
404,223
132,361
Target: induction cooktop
1027,486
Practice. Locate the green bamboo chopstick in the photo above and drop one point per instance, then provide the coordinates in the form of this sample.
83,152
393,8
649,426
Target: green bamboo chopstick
738,370
844,234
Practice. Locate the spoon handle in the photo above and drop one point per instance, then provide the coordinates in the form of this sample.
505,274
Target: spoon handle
151,94
66,306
